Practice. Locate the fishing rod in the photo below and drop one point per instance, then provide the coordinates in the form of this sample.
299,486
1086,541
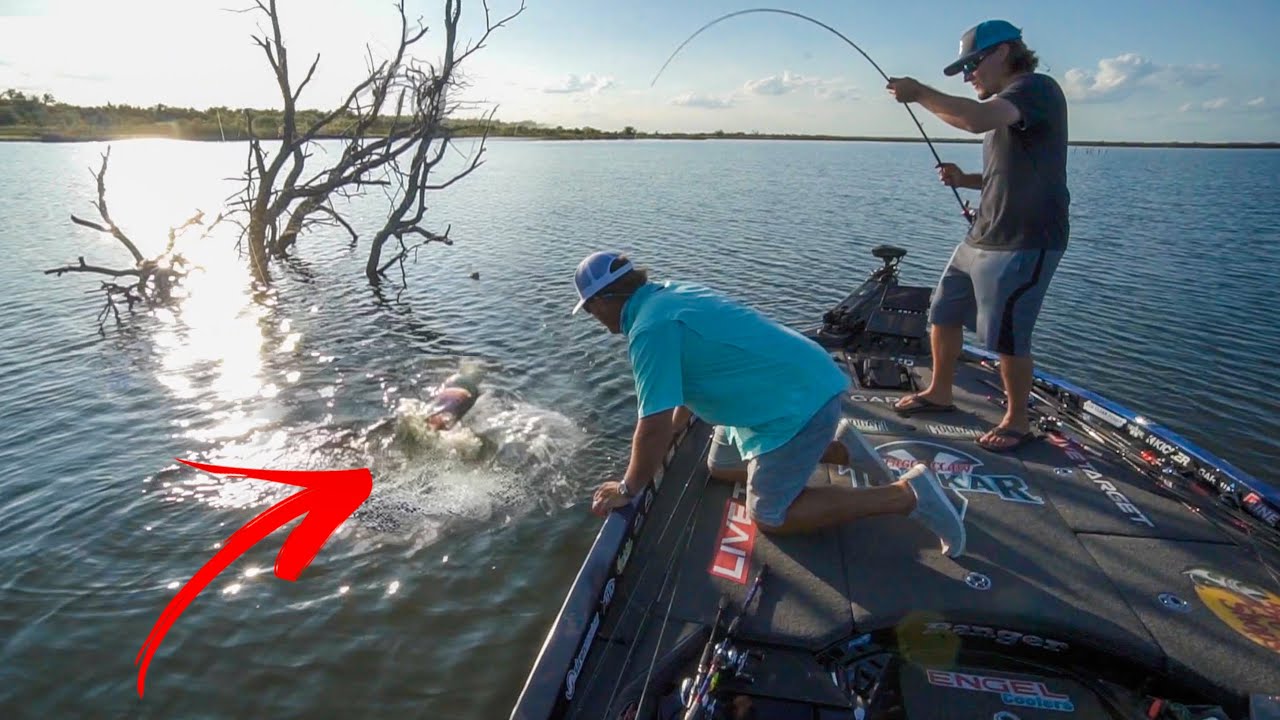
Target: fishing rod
718,657
964,207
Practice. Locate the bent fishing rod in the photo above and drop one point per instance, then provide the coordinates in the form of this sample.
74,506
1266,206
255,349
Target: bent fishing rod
964,207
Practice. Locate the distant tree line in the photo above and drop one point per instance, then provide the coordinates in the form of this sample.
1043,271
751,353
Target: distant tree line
43,117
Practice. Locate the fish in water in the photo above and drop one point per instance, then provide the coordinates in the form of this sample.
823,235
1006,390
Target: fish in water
452,400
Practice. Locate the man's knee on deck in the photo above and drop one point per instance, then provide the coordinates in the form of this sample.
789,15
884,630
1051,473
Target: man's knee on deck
723,471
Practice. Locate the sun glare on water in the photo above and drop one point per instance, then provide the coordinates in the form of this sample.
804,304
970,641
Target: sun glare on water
211,342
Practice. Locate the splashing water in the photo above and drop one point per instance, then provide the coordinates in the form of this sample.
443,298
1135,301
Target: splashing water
504,454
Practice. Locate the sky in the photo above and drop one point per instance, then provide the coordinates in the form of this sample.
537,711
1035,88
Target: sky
1170,70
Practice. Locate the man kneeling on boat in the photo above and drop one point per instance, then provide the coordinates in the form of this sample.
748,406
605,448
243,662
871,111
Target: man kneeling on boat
773,395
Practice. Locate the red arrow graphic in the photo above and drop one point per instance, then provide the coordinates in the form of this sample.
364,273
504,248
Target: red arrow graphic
327,499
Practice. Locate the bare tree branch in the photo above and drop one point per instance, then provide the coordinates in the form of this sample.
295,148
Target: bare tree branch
82,267
298,93
392,134
405,250
341,221
110,228
153,279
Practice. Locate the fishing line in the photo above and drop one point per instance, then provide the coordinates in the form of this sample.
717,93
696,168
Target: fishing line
963,206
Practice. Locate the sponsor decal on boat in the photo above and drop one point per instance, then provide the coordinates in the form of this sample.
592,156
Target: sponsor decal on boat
1075,452
998,635
607,596
1215,479
736,540
571,680
1022,693
1259,508
855,643
1252,611
624,556
864,425
977,581
1104,414
1165,448
960,431
1169,450
956,469
882,399
646,502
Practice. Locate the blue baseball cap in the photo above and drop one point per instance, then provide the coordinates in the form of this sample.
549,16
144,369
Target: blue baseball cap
980,37
593,275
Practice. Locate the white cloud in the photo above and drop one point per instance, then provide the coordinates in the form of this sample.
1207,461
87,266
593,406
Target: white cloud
1117,77
1114,76
1190,75
698,100
1257,102
589,83
1207,105
779,84
838,92
788,82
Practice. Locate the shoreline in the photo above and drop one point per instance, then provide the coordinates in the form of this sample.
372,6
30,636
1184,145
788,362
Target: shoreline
569,136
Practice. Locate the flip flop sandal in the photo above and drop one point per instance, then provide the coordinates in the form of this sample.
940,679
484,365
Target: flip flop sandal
1020,440
918,404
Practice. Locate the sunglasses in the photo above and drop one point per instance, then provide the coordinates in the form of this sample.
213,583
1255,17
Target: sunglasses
587,305
969,67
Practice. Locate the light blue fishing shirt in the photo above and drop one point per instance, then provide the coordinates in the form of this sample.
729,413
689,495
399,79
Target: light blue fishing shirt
726,362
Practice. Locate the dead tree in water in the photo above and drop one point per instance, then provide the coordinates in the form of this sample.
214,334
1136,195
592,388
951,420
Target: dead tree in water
391,126
153,279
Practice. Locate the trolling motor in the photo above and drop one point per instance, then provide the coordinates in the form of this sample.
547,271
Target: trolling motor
882,326
849,317
891,255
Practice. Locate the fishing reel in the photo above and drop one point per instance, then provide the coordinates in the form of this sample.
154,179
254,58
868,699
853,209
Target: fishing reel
728,664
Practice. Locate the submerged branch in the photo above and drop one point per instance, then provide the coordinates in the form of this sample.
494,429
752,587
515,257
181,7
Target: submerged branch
83,267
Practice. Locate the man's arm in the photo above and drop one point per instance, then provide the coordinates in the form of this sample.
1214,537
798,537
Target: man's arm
964,113
950,174
679,418
969,114
649,446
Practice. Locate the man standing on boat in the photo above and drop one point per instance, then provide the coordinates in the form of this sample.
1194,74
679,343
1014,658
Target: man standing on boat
997,277
773,395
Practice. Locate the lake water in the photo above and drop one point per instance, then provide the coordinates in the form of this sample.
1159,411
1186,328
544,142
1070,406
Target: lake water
434,599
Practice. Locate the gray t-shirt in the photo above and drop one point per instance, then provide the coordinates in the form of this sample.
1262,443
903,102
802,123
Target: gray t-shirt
1024,172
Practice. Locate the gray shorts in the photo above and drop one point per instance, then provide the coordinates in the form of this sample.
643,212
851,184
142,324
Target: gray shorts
997,294
776,478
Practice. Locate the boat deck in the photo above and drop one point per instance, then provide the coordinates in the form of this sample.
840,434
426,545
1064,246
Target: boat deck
1070,553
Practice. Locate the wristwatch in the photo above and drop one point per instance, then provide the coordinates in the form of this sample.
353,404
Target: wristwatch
623,490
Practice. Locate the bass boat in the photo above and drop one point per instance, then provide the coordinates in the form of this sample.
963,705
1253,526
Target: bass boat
1113,569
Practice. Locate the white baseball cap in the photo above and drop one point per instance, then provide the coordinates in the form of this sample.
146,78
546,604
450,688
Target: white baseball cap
593,275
